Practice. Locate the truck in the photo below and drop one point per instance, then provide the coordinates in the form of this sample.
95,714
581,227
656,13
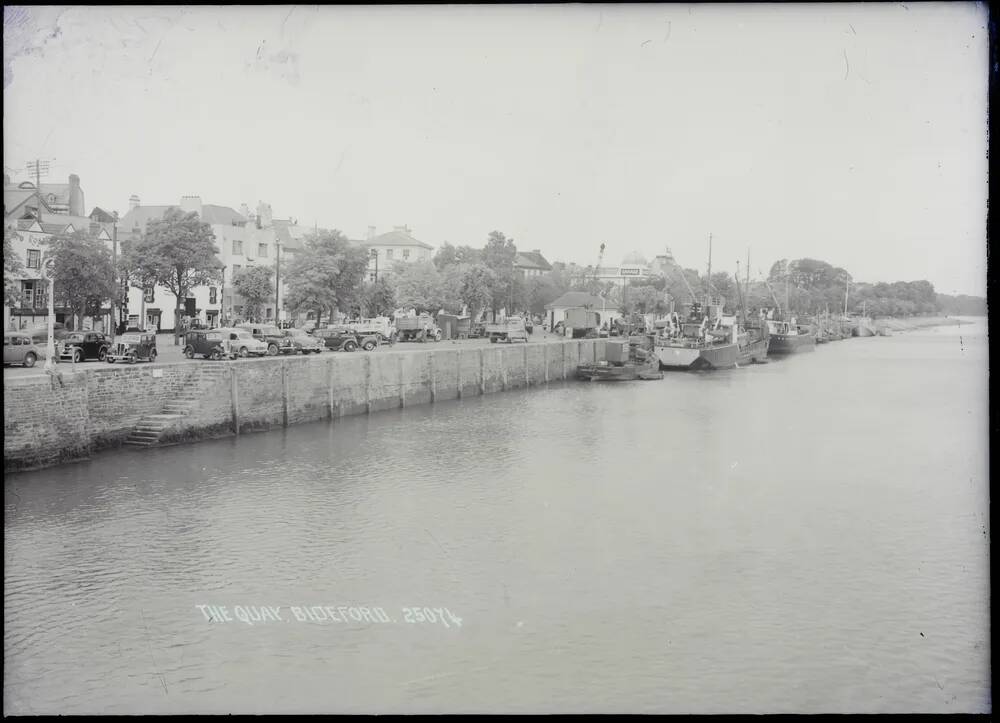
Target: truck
379,326
507,330
583,322
417,328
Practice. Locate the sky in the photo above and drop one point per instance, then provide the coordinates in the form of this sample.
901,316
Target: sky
855,134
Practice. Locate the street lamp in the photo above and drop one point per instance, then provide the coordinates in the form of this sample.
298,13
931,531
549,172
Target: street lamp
375,256
50,350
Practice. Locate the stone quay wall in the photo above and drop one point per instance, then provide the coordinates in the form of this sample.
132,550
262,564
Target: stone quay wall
52,420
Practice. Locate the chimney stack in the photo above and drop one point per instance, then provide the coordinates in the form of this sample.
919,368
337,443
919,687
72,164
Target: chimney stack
76,205
191,203
133,202
371,233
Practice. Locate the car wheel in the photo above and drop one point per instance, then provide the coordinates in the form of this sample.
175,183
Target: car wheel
216,356
350,346
244,352
272,350
369,345
29,359
110,360
77,356
103,354
189,352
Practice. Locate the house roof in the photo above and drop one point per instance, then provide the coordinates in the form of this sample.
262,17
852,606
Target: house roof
575,299
397,237
58,227
55,193
532,260
100,215
141,215
14,198
290,235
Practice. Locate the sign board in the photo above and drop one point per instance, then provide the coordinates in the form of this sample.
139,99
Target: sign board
630,272
48,267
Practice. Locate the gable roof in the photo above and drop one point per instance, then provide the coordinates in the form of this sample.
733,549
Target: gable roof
100,215
55,193
574,299
14,198
28,224
141,215
290,235
58,228
532,260
397,237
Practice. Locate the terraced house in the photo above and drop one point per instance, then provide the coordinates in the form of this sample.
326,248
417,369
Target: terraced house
35,214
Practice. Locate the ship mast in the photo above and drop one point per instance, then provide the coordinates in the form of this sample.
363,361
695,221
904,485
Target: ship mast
708,285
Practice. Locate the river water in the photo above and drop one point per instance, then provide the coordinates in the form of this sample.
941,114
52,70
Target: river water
809,535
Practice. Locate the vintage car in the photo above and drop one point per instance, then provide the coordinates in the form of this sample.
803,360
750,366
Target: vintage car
133,347
208,344
40,334
20,348
274,337
82,345
239,342
340,338
304,341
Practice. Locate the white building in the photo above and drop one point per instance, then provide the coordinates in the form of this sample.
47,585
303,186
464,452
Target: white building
396,245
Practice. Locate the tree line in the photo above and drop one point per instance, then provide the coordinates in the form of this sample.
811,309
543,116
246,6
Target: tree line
330,276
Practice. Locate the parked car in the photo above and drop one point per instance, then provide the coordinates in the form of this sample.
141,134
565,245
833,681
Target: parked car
20,348
83,345
133,347
339,338
40,334
274,337
240,342
305,342
208,344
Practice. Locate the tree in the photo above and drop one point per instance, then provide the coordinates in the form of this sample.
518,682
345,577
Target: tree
12,269
498,256
326,275
477,288
418,286
177,252
84,273
446,256
380,297
256,285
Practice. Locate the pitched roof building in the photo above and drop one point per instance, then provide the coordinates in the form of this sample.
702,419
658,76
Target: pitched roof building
531,263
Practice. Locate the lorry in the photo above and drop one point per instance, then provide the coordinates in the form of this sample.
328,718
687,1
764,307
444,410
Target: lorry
507,330
379,326
583,322
417,328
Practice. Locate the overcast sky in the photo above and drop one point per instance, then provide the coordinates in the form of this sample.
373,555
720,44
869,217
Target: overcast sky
855,134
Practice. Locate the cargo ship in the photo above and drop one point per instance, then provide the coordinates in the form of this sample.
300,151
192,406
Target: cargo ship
722,344
787,338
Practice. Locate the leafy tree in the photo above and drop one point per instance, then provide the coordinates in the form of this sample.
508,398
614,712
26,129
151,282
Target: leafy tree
326,275
84,273
12,269
256,285
380,297
446,256
418,286
451,287
177,252
498,256
477,288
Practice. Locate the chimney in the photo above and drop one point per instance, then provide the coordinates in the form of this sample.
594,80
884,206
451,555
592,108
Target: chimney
75,196
191,203
133,202
404,229
244,210
264,218
371,232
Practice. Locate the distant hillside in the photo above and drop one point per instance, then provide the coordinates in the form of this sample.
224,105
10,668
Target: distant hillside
961,305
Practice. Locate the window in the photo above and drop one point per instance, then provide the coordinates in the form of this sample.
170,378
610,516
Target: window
28,292
34,259
213,295
147,295
406,253
236,270
262,250
237,247
270,312
388,253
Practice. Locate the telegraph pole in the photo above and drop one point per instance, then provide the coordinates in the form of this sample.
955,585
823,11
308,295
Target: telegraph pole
39,168
277,272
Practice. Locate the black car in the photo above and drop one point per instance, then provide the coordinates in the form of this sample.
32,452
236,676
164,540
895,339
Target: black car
83,345
276,340
344,339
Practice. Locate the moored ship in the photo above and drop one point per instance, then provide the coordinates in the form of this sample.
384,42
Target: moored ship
787,338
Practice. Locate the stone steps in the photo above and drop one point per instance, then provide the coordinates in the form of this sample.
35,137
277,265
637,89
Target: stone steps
149,429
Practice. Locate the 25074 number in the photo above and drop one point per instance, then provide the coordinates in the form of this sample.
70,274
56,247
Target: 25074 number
444,616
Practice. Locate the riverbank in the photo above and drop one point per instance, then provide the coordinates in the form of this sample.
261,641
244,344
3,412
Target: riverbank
50,420
916,322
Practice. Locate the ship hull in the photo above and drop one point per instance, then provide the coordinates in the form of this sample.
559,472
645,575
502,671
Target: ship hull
722,356
616,373
755,351
791,344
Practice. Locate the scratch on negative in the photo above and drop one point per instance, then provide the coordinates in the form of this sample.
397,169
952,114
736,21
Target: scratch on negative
154,53
848,66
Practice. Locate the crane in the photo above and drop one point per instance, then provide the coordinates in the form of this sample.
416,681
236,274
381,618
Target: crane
597,268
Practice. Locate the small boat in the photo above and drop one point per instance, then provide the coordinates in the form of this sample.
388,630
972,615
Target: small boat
625,362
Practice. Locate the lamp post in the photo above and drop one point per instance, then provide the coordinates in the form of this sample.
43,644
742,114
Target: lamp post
115,302
375,256
223,319
50,349
277,274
